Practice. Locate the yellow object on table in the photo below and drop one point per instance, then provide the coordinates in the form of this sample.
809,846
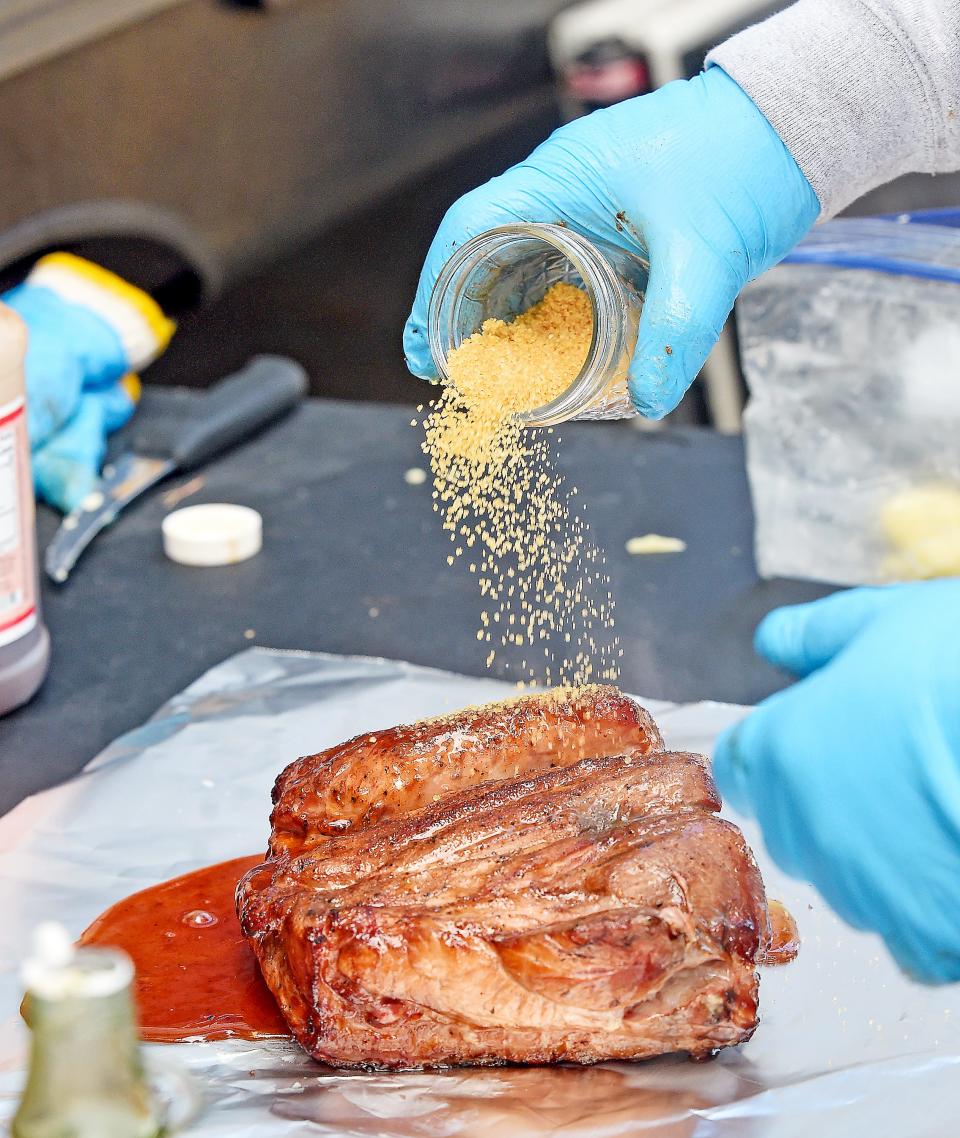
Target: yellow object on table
923,526
655,543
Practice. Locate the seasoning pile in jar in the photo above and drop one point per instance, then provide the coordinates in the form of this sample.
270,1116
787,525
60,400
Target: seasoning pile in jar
506,507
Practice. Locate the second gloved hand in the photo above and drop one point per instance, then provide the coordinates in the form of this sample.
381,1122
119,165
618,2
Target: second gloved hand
87,331
854,772
693,174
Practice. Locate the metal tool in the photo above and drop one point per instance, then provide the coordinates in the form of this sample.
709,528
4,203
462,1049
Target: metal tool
229,412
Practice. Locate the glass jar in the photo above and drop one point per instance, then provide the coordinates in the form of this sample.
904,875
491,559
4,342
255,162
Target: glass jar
87,1077
502,272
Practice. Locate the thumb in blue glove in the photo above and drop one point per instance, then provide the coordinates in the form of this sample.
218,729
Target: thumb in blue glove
86,330
854,772
693,175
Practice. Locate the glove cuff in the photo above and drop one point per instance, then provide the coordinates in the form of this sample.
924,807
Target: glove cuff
139,322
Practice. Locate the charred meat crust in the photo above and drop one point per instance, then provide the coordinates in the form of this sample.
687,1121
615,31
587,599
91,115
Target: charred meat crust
384,773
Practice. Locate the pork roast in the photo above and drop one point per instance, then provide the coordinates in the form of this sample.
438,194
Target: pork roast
530,881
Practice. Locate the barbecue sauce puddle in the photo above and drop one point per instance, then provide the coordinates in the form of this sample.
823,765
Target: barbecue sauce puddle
196,976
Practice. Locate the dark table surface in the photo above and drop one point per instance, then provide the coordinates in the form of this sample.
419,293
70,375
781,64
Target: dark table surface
354,561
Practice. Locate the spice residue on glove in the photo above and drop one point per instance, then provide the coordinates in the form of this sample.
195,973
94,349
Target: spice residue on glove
507,508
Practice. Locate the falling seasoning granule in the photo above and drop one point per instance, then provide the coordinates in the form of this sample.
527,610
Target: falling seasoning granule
499,494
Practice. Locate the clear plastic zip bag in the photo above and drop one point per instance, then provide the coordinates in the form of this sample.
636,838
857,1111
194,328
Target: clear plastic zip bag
851,351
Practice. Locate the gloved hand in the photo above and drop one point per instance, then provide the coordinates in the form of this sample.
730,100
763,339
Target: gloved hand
87,331
854,773
697,176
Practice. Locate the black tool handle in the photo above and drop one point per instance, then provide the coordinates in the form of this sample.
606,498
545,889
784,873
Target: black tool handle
236,407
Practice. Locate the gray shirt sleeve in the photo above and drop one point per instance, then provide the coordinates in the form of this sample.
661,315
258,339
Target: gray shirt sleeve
860,91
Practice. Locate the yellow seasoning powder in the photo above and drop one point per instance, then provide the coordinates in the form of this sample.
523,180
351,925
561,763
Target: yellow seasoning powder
502,500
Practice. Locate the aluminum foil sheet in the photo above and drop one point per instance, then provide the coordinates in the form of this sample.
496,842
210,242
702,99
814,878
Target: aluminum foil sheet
847,1046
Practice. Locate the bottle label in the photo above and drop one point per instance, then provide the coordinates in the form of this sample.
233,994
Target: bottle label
18,589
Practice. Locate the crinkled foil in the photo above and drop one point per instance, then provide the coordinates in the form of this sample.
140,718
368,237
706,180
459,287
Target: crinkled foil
847,1046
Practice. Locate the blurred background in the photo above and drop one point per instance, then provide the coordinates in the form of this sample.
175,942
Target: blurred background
273,172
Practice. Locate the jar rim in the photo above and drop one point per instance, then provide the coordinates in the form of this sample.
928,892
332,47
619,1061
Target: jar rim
600,282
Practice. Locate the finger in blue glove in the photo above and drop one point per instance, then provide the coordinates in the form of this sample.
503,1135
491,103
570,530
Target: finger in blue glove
854,772
692,175
70,349
65,468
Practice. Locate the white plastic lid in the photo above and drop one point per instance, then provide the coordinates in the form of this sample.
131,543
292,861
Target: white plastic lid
212,534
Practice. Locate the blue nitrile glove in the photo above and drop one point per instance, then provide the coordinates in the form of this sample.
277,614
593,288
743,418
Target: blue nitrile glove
854,773
67,467
695,174
86,331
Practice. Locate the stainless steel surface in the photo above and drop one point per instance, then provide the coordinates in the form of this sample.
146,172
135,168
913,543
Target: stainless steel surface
34,30
122,481
256,128
847,1046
